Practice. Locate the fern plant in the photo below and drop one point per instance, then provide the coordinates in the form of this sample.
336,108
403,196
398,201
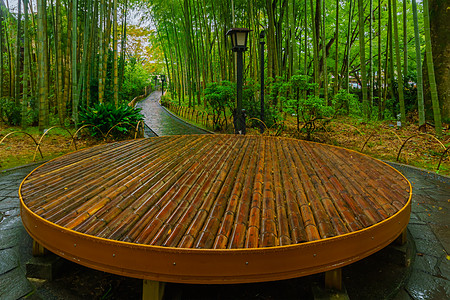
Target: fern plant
103,116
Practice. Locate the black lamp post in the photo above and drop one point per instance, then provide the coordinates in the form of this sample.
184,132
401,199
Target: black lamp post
262,34
239,45
163,79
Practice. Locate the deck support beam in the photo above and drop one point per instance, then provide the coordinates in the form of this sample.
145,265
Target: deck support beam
333,279
402,238
152,290
38,249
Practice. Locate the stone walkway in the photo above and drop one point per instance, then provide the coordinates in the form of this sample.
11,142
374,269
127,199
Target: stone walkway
429,276
160,121
15,244
430,228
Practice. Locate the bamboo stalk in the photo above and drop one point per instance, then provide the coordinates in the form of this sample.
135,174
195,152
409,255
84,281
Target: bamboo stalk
357,203
189,238
149,182
149,206
67,167
215,191
212,161
109,178
369,206
220,203
325,208
239,194
372,190
320,215
251,240
281,214
198,195
299,202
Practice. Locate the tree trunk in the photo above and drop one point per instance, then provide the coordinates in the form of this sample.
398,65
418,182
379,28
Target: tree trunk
18,56
324,57
115,57
123,44
59,65
82,80
1,56
316,56
420,105
430,68
439,14
405,42
379,79
26,64
401,97
101,80
42,99
363,58
336,57
305,50
107,40
371,55
75,99
348,46
67,84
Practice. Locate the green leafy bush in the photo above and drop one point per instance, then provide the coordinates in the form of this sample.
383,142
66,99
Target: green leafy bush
9,113
347,104
136,78
106,116
300,86
312,110
252,106
219,97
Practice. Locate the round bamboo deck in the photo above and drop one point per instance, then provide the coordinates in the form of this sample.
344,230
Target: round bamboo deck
215,208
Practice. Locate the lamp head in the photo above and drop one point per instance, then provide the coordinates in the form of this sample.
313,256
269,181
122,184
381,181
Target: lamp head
262,34
239,37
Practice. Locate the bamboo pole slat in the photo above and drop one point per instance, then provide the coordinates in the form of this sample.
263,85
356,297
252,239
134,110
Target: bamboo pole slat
215,192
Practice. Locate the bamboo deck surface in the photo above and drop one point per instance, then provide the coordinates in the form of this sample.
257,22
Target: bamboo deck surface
214,192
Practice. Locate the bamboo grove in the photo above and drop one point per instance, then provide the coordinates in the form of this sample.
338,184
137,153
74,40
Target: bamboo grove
61,55
377,45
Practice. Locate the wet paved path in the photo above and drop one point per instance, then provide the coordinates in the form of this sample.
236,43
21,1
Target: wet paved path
161,121
430,227
15,244
429,224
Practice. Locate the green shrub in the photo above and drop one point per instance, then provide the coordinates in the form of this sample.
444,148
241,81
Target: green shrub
106,116
135,79
252,106
347,104
219,97
9,113
313,110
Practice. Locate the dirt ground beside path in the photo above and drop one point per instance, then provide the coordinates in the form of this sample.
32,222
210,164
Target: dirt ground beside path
19,149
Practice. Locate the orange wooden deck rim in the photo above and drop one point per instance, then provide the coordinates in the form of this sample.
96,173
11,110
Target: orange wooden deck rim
215,208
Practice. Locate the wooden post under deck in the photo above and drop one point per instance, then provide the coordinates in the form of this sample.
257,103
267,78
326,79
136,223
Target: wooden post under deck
152,290
333,279
38,249
402,238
